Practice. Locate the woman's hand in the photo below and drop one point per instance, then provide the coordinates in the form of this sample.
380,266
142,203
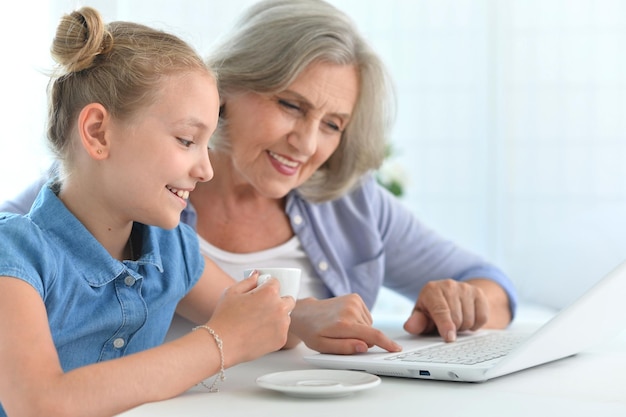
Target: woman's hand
449,306
340,325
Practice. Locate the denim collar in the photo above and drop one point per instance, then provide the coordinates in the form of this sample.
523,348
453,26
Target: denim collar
53,218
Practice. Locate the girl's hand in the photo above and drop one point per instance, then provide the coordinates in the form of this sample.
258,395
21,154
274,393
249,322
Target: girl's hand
251,320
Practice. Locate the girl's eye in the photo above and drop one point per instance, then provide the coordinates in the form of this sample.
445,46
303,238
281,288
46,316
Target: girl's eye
186,143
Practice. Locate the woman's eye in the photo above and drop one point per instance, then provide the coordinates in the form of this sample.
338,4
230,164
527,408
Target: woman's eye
186,143
333,126
288,104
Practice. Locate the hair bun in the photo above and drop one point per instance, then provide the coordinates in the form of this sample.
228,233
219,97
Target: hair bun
81,36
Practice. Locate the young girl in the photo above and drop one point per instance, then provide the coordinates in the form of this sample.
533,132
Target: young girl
91,277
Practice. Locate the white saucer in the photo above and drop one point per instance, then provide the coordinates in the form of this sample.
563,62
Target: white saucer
318,383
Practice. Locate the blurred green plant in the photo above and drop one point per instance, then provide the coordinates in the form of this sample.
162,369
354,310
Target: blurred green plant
391,175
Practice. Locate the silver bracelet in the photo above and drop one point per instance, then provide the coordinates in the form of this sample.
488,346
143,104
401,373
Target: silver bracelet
221,376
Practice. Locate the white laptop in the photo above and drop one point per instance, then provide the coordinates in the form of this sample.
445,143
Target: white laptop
592,318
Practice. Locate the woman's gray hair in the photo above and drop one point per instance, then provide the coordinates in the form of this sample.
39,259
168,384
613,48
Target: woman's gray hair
272,43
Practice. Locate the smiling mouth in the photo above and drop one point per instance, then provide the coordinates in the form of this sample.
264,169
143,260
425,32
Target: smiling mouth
283,160
184,194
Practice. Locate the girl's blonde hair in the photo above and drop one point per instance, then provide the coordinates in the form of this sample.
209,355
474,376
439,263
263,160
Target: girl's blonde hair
119,65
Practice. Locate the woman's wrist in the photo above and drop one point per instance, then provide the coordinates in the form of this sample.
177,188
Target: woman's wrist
300,324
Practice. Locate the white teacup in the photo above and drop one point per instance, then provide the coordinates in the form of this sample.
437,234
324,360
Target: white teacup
289,279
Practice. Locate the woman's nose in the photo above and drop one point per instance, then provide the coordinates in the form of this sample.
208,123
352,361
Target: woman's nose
304,138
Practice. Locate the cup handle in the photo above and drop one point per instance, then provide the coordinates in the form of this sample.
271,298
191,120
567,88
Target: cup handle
262,279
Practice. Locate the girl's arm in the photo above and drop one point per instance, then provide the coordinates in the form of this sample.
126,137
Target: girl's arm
32,382
199,304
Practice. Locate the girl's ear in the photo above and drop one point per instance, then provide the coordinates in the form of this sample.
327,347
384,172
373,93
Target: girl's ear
93,121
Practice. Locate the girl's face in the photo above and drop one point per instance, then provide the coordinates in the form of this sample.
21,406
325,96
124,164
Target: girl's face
162,152
279,141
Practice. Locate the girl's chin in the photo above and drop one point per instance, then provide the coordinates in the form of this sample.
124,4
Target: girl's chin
167,223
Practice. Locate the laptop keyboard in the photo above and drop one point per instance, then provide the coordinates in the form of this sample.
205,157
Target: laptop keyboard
468,351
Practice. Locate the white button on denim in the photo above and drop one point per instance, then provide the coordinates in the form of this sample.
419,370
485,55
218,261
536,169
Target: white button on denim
129,280
119,342
323,266
297,219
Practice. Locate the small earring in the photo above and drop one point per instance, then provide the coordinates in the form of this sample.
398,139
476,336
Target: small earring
99,151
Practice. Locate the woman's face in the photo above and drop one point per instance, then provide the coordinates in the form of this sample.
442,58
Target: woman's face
279,141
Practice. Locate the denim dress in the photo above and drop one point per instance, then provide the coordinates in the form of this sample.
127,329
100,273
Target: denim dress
99,308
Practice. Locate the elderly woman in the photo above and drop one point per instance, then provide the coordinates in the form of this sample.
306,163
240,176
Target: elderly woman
304,115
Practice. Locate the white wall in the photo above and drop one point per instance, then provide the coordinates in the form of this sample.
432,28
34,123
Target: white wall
511,124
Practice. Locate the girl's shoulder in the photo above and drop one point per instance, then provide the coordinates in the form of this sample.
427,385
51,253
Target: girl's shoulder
26,252
17,227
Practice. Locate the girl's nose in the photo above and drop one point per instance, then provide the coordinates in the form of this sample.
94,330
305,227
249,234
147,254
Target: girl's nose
203,170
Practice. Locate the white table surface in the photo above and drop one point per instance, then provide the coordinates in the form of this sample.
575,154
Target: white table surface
590,384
